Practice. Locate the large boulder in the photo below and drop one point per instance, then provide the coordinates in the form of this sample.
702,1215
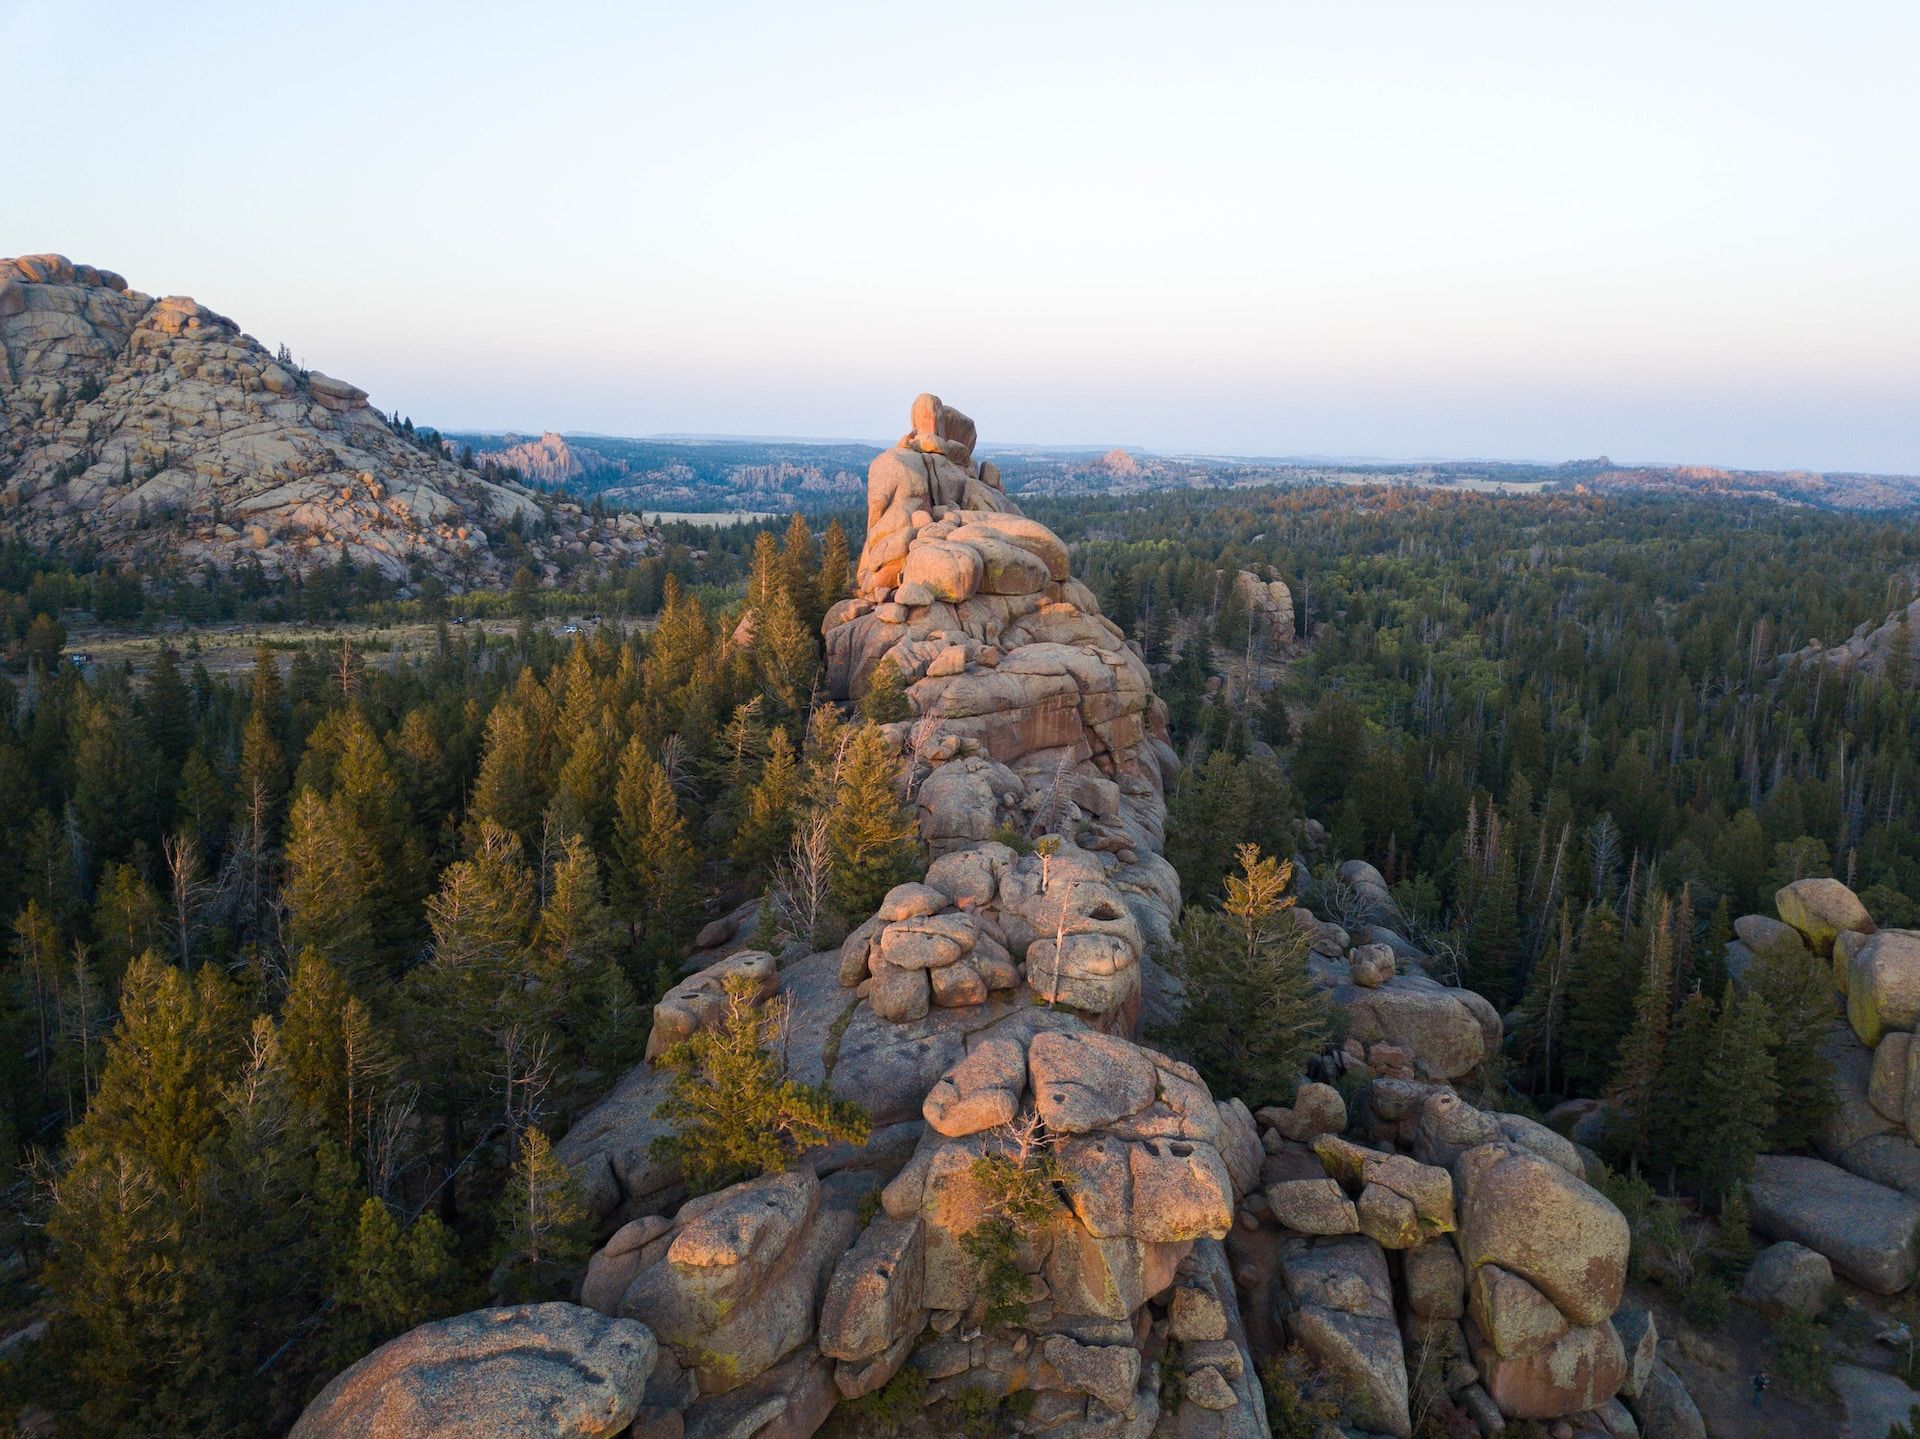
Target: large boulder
1336,1302
1866,1230
1532,1218
1666,1410
1439,1027
1821,909
1788,1278
734,1287
532,1371
1883,984
1567,1374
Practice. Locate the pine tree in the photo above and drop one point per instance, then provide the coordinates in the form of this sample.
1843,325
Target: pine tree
127,918
388,1281
1797,993
800,570
1543,1009
544,1228
884,701
127,1261
1677,1115
656,866
784,655
1600,990
337,1058
871,836
1636,1073
203,803
328,905
1737,1096
733,1110
836,570
1249,960
772,806
1493,934
260,788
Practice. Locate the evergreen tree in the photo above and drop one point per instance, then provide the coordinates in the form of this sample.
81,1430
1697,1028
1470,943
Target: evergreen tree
656,869
127,919
544,1228
772,807
734,1112
1797,993
337,1057
1251,1016
329,908
836,571
1600,989
1636,1073
1737,1094
203,803
1675,1133
388,1281
1493,934
884,701
127,1260
871,837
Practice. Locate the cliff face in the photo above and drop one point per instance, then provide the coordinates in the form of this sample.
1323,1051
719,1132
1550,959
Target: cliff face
154,427
986,1016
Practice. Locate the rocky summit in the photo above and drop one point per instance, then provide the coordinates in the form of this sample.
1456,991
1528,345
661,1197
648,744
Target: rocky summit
150,428
1388,1234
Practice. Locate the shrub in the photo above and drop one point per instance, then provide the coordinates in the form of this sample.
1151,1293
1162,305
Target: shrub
1801,1357
1019,1184
1706,1301
894,1406
1295,1407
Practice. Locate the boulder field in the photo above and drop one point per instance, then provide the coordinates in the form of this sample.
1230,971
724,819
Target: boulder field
988,1016
156,427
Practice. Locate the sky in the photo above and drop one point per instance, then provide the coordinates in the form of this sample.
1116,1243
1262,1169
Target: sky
1662,232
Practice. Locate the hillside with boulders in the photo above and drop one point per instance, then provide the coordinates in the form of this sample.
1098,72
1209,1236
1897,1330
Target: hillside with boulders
1041,1221
152,430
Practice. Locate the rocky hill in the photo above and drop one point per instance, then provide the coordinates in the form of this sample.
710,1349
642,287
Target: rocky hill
1409,1249
155,430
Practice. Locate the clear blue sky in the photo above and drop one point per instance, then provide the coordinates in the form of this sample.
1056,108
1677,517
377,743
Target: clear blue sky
1659,231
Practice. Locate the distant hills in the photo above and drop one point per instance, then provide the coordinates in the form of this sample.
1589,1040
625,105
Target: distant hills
689,472
153,431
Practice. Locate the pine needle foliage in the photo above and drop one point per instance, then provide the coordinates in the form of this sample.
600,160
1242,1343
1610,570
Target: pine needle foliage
735,1112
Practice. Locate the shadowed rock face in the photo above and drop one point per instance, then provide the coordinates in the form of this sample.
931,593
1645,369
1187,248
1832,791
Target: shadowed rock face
119,410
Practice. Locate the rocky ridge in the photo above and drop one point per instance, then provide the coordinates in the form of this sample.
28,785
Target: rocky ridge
156,428
1408,1245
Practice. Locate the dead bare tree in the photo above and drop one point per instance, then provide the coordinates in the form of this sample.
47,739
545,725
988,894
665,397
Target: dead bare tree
187,889
801,881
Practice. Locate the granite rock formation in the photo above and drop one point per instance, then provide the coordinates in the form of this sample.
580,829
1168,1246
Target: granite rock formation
987,1016
156,428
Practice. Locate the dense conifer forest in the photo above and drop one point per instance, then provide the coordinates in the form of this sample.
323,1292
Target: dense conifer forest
307,967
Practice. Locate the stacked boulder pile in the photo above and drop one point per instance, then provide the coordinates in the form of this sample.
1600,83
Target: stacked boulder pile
1434,1248
1164,1240
119,411
1031,709
1858,1202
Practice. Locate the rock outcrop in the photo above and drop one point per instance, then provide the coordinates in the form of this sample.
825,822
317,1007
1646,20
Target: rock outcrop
534,1371
156,428
1046,1208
